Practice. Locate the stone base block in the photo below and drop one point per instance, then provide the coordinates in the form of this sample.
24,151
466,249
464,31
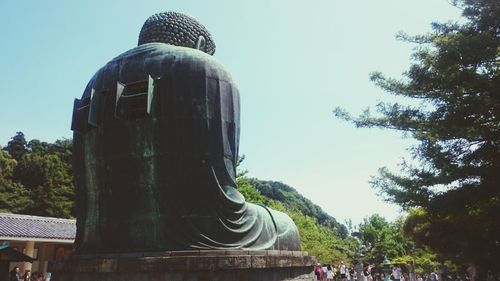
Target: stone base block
188,266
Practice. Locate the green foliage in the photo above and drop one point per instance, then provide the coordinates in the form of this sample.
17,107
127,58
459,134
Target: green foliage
321,241
51,185
454,177
7,165
382,239
425,262
249,191
13,196
318,240
37,179
17,146
296,202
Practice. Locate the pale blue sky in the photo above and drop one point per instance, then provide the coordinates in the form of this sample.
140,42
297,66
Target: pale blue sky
294,61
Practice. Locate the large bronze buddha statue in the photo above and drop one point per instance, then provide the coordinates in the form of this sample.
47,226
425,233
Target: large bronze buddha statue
156,137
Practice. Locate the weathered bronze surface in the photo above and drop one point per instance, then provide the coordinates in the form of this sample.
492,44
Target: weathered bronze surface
156,136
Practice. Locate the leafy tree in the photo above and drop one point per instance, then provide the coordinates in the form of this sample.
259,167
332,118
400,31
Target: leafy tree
50,183
62,148
13,196
38,180
17,146
321,241
249,191
381,238
454,178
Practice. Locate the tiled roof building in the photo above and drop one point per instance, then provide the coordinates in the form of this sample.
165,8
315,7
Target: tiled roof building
20,227
42,238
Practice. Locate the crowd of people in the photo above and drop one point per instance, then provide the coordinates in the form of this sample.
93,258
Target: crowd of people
15,275
398,272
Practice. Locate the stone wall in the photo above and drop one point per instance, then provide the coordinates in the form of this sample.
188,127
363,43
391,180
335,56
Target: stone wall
188,265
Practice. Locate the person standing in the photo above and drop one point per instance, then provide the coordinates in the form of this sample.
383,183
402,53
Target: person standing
14,274
324,269
318,272
411,271
329,273
359,272
351,273
27,275
472,270
396,273
343,271
367,272
433,276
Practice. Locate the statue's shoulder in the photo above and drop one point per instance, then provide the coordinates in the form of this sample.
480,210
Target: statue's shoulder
158,60
169,56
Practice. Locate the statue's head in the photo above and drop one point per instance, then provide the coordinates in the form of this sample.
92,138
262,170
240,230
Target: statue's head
177,29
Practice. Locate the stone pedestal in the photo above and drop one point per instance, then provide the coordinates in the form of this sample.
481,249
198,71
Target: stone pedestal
188,266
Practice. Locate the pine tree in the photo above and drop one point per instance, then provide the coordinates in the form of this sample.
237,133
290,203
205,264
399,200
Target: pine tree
453,184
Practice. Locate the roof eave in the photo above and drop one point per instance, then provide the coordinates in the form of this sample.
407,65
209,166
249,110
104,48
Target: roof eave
38,239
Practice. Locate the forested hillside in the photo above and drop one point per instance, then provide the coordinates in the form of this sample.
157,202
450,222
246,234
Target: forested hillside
36,177
319,239
293,200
